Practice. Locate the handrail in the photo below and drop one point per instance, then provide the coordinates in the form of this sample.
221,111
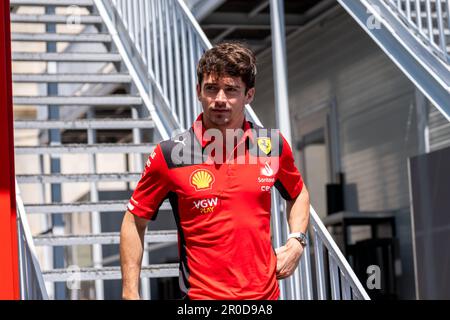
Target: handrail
169,43
429,19
32,286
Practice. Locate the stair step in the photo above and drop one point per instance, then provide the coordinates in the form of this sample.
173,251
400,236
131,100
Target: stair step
110,273
66,57
101,206
102,238
79,177
81,3
86,148
74,78
57,37
84,124
51,18
114,100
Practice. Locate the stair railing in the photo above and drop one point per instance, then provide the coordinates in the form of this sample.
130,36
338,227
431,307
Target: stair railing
430,20
32,285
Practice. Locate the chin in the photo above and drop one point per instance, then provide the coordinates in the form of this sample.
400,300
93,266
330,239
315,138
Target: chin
220,120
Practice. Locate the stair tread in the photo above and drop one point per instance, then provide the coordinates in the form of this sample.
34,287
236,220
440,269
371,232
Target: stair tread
84,124
78,57
52,2
79,100
154,236
77,177
86,148
109,273
53,18
83,37
101,206
73,78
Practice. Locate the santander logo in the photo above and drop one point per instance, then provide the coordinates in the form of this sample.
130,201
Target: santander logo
267,170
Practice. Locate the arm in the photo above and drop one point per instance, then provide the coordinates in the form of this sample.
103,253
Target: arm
148,195
131,249
289,255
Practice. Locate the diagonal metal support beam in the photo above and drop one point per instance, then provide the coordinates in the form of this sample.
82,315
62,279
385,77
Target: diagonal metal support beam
424,69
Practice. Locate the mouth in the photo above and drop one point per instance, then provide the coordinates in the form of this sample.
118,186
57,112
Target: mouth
220,110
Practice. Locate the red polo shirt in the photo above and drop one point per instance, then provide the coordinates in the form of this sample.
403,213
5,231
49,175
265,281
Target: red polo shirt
222,210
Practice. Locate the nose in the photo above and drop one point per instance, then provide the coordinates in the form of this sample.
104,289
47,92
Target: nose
221,97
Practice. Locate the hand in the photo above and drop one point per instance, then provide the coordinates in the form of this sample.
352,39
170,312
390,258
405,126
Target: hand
288,257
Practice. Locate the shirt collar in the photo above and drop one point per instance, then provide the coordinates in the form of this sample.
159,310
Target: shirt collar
199,131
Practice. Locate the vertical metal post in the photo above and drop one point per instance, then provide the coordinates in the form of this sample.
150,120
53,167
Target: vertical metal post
276,224
167,8
320,266
138,167
155,42
148,33
441,26
55,161
280,77
97,253
334,277
46,224
9,256
187,101
280,67
192,73
179,87
162,49
306,281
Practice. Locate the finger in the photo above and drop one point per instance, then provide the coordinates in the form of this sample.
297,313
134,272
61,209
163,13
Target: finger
279,265
281,276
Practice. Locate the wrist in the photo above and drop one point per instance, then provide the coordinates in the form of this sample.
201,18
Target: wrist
300,237
294,243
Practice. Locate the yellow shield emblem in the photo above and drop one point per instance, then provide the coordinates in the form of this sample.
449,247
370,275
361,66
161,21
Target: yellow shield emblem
265,145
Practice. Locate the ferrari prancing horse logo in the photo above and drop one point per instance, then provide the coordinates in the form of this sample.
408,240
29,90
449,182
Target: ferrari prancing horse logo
265,145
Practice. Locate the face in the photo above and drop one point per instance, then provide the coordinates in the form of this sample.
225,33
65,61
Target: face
223,100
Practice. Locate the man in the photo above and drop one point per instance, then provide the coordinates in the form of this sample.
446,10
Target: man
219,187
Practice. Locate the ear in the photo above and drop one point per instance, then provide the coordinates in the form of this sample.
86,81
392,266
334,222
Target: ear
250,95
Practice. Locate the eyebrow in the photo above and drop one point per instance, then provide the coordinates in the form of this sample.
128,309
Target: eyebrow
226,85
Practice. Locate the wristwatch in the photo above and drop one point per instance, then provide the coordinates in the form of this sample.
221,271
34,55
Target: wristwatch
300,236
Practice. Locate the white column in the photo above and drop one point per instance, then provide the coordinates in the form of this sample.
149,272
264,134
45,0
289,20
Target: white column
280,68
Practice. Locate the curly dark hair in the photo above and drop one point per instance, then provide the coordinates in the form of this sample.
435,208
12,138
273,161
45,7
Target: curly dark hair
229,58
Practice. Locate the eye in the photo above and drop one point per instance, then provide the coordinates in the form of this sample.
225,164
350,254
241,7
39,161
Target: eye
210,88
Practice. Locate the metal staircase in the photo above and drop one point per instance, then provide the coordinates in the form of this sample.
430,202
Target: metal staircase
415,34
84,121
151,50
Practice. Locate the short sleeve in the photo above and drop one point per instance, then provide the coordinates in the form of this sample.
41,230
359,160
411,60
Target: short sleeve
152,188
289,180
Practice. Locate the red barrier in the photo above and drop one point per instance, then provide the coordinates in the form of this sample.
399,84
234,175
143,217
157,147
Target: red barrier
9,263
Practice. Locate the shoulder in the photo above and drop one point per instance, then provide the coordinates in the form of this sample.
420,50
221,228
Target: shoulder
184,138
180,149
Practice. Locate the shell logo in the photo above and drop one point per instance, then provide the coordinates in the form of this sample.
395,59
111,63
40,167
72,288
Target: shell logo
202,179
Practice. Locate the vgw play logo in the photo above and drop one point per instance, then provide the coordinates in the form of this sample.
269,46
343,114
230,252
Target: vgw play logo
206,205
